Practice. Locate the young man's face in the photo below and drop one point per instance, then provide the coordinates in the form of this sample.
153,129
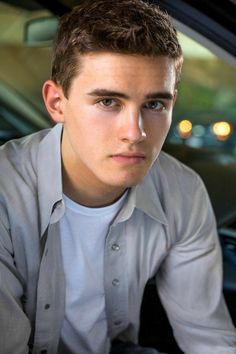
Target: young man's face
116,118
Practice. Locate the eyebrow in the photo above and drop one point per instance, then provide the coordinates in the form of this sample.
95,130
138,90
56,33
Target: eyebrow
110,93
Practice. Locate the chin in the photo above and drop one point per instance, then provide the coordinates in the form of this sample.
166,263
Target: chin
129,182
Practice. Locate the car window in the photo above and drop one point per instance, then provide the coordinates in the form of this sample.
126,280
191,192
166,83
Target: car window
204,117
205,113
23,69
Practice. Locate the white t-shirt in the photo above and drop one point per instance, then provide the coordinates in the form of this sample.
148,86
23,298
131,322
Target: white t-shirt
83,233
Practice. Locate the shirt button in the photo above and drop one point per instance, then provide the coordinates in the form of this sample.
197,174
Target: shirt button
115,247
47,306
115,282
117,323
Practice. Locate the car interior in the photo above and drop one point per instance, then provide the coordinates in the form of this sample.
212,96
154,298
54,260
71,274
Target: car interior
203,132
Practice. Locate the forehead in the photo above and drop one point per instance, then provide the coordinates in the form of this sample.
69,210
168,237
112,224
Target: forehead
128,72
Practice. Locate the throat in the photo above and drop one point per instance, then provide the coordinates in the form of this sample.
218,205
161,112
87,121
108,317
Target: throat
92,195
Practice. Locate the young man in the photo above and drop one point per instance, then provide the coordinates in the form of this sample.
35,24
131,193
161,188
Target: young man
91,209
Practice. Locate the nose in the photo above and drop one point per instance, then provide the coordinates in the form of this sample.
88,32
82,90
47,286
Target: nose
132,128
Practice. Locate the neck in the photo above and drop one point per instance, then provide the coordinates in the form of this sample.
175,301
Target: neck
88,194
81,185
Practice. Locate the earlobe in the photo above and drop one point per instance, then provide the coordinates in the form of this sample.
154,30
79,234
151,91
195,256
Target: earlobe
53,97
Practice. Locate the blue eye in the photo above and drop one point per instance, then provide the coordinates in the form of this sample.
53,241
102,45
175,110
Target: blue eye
155,106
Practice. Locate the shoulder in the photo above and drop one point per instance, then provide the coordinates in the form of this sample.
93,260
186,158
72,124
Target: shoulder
18,159
15,149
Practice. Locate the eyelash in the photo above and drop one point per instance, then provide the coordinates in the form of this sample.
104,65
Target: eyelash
162,108
115,103
101,102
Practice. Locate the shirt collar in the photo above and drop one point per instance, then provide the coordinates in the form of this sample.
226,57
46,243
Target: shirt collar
144,197
50,177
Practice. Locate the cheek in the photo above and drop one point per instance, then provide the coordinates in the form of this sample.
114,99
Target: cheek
91,136
158,128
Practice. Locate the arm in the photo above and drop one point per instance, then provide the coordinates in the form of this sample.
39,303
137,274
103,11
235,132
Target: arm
14,325
190,283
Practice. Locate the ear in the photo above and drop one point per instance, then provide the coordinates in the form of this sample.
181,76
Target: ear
175,96
53,98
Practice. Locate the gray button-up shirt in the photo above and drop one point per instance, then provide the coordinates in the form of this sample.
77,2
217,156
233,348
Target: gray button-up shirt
165,230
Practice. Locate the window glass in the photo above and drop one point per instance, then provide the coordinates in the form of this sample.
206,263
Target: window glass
205,111
23,69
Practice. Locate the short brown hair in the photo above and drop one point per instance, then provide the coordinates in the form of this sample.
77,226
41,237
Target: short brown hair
123,26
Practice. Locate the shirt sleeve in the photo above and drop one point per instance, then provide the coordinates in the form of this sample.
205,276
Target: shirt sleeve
14,324
190,281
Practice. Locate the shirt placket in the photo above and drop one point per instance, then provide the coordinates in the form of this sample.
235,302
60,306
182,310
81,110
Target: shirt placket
116,280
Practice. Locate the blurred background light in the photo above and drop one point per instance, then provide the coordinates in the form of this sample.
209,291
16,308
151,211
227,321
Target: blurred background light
222,130
185,128
199,130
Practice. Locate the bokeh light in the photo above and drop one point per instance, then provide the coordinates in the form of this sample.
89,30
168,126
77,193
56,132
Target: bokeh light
185,128
222,130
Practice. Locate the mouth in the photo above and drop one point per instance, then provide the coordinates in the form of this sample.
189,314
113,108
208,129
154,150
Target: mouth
129,158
